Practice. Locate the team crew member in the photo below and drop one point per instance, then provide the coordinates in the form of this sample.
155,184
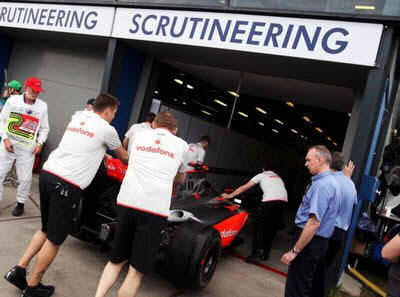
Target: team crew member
348,199
21,120
69,170
13,88
315,222
391,252
197,151
269,215
146,125
158,159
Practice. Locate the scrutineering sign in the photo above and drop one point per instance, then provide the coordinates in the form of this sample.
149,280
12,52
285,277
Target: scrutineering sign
344,42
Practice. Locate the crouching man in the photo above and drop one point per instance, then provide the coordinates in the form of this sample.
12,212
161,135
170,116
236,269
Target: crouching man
157,160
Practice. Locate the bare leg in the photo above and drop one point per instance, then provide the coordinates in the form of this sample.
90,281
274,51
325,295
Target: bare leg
108,278
131,284
33,248
46,256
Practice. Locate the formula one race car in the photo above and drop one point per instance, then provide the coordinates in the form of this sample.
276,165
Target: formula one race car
200,224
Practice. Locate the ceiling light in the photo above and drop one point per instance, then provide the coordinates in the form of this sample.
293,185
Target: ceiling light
302,136
318,129
205,112
261,110
220,102
243,114
274,130
261,124
349,114
278,121
184,103
334,143
294,131
233,93
190,87
155,92
330,139
367,7
178,81
307,119
175,99
290,104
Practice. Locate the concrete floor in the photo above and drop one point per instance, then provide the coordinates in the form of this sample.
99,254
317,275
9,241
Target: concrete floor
78,266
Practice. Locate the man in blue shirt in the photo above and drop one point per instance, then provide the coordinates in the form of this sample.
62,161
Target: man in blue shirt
315,220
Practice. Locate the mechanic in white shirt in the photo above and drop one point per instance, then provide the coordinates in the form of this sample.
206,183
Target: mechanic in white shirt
158,160
269,215
197,151
24,127
68,171
146,125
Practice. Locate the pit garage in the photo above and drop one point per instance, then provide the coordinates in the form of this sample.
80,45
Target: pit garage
253,104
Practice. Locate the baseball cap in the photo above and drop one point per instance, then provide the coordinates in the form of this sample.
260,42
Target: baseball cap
90,101
15,85
35,84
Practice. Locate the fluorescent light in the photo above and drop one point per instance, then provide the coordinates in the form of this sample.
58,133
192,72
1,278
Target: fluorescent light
274,130
243,114
233,93
220,102
290,104
184,103
349,114
175,99
178,81
190,87
334,143
367,7
205,112
307,119
318,129
261,124
155,92
330,139
302,136
261,110
278,121
294,131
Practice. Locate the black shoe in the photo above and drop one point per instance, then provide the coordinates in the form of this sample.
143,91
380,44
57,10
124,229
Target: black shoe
253,256
17,277
39,291
18,210
264,257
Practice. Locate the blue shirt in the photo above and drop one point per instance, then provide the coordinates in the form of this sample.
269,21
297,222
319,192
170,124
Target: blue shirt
348,198
321,199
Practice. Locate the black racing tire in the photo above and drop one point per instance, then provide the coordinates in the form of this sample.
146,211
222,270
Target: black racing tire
193,255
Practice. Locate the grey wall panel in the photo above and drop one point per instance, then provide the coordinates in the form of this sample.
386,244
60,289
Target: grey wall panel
164,108
183,122
216,134
197,129
71,74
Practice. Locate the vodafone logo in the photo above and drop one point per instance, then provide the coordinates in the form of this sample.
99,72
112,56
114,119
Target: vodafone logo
228,233
154,150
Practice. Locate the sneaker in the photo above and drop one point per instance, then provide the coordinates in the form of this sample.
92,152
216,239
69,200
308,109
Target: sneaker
18,210
39,291
253,256
17,277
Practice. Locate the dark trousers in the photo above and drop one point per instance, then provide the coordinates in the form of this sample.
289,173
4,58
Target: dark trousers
393,284
303,268
329,266
266,224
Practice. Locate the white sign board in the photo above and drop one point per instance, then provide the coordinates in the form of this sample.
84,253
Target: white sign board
89,20
343,42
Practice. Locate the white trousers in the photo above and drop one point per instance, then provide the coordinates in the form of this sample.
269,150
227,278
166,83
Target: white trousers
24,165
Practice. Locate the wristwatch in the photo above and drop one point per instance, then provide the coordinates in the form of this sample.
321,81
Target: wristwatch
294,250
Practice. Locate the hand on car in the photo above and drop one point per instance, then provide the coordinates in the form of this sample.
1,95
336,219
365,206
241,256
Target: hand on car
8,145
226,196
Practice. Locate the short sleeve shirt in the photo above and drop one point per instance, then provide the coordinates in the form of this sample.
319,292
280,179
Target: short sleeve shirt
133,130
272,186
196,153
156,157
348,198
82,149
321,199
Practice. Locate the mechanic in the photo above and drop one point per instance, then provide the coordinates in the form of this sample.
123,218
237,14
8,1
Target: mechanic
348,199
89,104
158,159
269,214
24,127
68,171
315,220
391,252
197,151
13,88
146,125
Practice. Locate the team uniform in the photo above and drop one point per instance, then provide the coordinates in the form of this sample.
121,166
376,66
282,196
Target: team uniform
322,200
145,196
70,169
269,215
196,153
135,129
24,125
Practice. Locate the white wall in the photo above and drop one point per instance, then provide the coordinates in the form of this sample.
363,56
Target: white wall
71,73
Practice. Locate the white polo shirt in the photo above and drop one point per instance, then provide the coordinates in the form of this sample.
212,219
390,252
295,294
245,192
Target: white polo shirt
135,129
156,157
82,149
272,186
196,153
